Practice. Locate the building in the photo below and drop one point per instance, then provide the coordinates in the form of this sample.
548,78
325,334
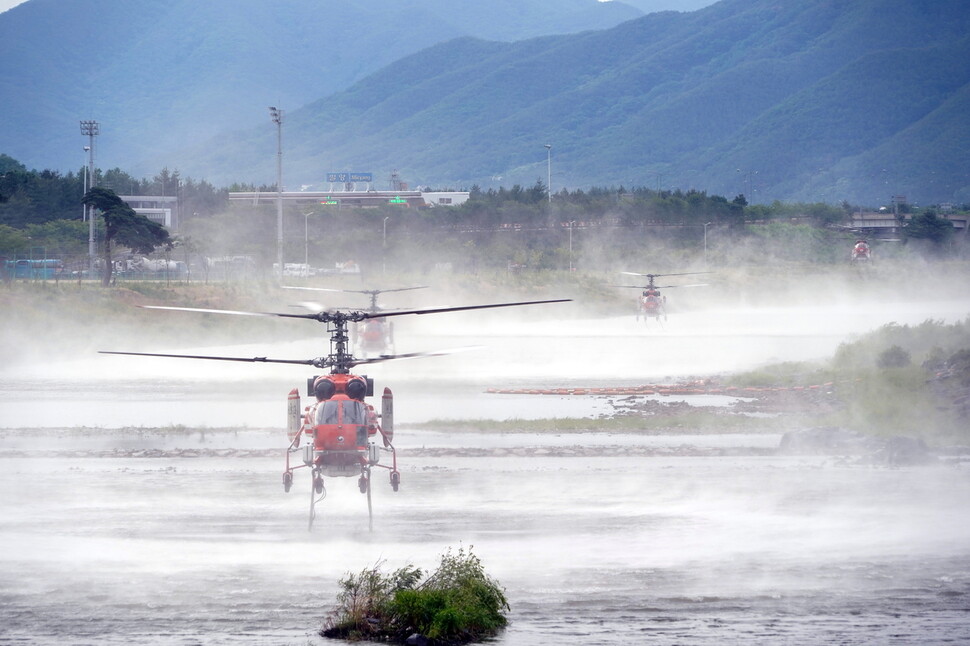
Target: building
355,199
163,209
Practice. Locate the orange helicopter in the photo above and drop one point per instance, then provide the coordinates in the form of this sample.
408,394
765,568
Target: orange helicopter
651,303
373,337
336,435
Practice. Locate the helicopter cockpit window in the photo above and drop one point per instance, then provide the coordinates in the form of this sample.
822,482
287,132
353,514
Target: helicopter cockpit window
328,412
341,412
354,412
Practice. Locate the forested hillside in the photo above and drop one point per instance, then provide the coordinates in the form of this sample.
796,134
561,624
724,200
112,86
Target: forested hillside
814,101
160,75
817,101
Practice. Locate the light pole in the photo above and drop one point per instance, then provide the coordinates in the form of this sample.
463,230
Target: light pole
705,242
306,241
91,129
571,224
384,247
549,170
276,115
84,213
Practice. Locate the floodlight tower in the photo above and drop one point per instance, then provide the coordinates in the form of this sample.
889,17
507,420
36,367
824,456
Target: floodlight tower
91,129
276,114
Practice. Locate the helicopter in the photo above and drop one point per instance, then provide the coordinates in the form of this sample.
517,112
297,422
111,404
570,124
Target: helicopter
373,337
651,303
861,252
336,435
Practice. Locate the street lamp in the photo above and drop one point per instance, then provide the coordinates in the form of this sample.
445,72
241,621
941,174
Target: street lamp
91,129
384,247
84,213
276,115
705,241
549,170
306,241
571,224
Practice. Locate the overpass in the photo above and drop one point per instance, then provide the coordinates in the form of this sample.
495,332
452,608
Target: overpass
885,226
354,199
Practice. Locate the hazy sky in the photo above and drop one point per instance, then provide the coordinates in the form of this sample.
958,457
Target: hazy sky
6,4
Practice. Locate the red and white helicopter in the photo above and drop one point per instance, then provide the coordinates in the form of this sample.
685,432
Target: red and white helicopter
861,252
373,337
337,434
651,304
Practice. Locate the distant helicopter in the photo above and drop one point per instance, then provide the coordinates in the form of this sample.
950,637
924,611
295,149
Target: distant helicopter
861,252
373,337
651,303
334,436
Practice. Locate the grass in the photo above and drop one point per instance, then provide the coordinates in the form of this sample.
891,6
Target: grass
693,420
896,380
783,375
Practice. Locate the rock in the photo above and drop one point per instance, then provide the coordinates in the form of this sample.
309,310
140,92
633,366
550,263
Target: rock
831,440
417,639
827,440
903,451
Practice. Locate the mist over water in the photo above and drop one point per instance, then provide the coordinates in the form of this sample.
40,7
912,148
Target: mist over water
111,533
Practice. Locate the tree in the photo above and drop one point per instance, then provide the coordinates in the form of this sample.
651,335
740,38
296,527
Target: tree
123,225
929,226
8,163
12,241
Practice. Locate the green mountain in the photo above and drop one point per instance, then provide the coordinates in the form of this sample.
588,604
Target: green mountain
825,100
161,75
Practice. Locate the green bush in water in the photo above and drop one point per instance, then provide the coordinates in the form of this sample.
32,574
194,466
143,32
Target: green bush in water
457,604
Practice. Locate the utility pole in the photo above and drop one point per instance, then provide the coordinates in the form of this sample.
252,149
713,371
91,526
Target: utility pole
276,115
91,129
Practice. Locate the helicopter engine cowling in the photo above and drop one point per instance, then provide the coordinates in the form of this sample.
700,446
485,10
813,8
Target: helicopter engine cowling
356,388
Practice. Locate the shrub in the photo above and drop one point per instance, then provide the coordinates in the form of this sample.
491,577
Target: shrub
457,604
894,357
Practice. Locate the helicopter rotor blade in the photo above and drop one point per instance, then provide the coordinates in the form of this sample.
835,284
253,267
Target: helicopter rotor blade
310,306
320,315
403,289
205,310
318,362
464,308
355,291
414,355
686,273
653,286
353,315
